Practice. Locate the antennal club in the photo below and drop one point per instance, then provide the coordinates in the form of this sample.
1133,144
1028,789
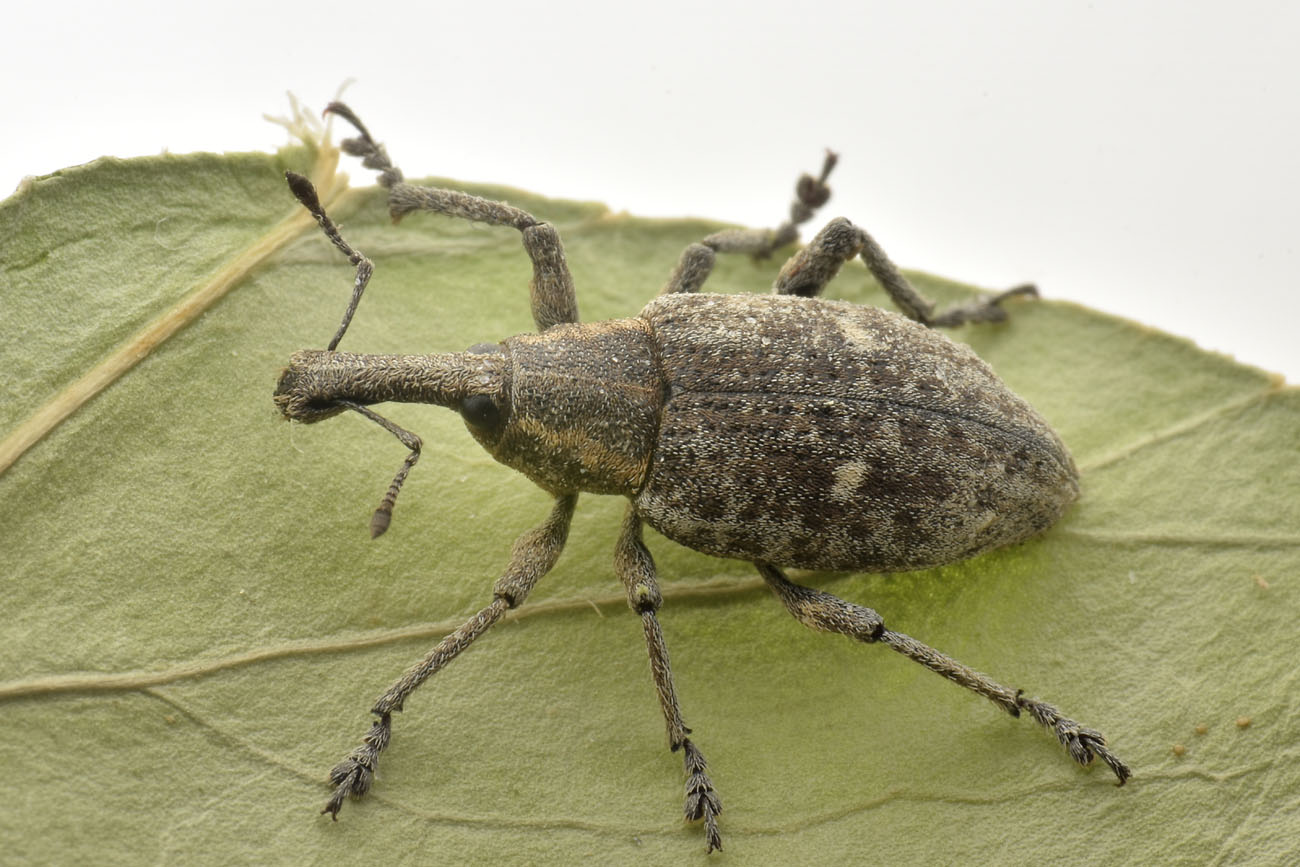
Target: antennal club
384,514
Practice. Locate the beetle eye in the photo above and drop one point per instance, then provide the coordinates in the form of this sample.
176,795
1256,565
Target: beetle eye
480,411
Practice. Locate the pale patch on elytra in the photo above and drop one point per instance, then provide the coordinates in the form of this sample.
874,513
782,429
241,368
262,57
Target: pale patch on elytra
849,477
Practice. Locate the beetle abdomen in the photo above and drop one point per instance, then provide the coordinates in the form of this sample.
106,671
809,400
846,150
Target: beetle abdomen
827,435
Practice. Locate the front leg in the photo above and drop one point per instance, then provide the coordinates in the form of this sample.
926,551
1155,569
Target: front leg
636,568
534,554
554,299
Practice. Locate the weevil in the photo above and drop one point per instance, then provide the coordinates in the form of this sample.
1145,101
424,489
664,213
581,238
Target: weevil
786,430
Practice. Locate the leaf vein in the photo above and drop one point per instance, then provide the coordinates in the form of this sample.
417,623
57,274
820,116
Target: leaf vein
172,320
126,681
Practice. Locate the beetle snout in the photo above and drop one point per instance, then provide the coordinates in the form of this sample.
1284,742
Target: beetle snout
300,394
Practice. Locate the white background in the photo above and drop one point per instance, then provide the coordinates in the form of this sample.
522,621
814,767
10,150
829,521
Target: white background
1138,157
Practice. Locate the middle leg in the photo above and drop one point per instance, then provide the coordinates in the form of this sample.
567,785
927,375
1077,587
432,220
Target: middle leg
636,568
810,193
533,555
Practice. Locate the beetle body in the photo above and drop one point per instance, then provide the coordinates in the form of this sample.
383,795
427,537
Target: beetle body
796,431
827,435
784,429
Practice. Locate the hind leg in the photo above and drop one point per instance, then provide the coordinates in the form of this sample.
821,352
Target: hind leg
817,609
808,271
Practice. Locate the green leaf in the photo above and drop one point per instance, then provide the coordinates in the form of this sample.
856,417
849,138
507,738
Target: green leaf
196,621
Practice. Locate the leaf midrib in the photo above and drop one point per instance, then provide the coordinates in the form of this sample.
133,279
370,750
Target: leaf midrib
176,317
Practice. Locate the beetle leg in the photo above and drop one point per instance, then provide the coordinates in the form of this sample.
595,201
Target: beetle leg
692,270
636,568
808,271
916,306
533,555
810,193
551,289
820,610
984,310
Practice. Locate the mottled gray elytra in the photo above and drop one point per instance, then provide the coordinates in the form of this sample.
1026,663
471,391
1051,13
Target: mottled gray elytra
786,430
